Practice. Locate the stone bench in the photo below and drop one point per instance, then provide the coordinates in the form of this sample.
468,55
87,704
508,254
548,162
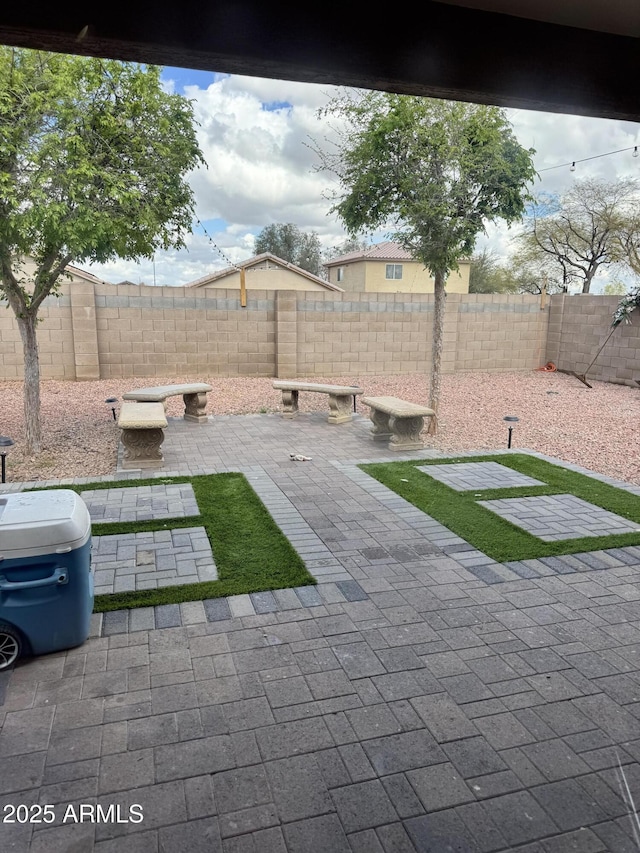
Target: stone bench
194,396
340,398
397,421
142,426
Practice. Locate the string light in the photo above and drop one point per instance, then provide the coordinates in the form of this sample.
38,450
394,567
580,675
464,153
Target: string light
216,247
572,164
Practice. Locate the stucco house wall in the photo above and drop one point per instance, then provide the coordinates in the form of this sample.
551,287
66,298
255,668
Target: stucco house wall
415,279
366,271
264,279
265,272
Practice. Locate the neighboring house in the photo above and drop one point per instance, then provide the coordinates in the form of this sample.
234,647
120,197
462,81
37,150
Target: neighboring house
266,272
28,269
76,274
389,268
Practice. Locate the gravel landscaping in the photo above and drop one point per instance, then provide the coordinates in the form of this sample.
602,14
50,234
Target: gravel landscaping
595,427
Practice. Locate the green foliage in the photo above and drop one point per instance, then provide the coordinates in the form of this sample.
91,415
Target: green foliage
93,163
614,288
93,160
594,225
346,247
251,552
488,275
530,269
625,308
287,241
432,172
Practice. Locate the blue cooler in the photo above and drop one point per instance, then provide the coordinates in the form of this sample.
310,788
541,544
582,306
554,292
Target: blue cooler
46,583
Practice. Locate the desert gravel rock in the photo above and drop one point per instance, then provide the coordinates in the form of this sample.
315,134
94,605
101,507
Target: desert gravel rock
594,427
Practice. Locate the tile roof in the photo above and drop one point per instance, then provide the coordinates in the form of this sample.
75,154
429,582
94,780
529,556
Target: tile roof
386,251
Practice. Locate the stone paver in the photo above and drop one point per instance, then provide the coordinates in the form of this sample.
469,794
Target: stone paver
135,561
418,698
139,503
472,476
556,517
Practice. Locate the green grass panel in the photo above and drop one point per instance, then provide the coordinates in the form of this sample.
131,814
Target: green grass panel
500,539
251,552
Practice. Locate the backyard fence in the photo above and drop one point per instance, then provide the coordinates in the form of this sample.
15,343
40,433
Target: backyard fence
100,331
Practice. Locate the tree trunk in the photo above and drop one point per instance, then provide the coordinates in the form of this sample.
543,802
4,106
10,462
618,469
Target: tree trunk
440,297
33,435
586,286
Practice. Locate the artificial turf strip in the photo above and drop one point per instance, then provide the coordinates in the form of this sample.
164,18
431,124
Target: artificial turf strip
251,552
495,536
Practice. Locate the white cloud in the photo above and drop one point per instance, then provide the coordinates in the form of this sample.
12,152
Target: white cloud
564,139
261,169
560,140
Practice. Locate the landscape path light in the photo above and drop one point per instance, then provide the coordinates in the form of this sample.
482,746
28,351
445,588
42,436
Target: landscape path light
510,419
5,444
111,403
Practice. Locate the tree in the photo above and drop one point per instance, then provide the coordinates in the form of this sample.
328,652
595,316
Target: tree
93,159
350,244
590,229
345,247
432,172
629,239
287,241
615,288
532,270
488,275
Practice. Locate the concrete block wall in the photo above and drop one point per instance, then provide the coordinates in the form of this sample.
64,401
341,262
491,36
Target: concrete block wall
55,340
150,331
499,331
83,324
363,333
286,334
104,331
554,332
580,325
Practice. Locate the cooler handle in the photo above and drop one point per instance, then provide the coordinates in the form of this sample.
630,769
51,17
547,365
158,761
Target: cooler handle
58,577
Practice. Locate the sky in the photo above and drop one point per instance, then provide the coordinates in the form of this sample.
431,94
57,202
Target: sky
257,137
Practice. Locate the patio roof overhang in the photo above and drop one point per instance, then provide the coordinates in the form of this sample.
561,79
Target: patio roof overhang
546,61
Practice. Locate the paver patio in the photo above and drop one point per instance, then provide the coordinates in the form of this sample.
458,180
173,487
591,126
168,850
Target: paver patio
420,697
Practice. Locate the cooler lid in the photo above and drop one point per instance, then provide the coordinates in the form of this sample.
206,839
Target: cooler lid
35,522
